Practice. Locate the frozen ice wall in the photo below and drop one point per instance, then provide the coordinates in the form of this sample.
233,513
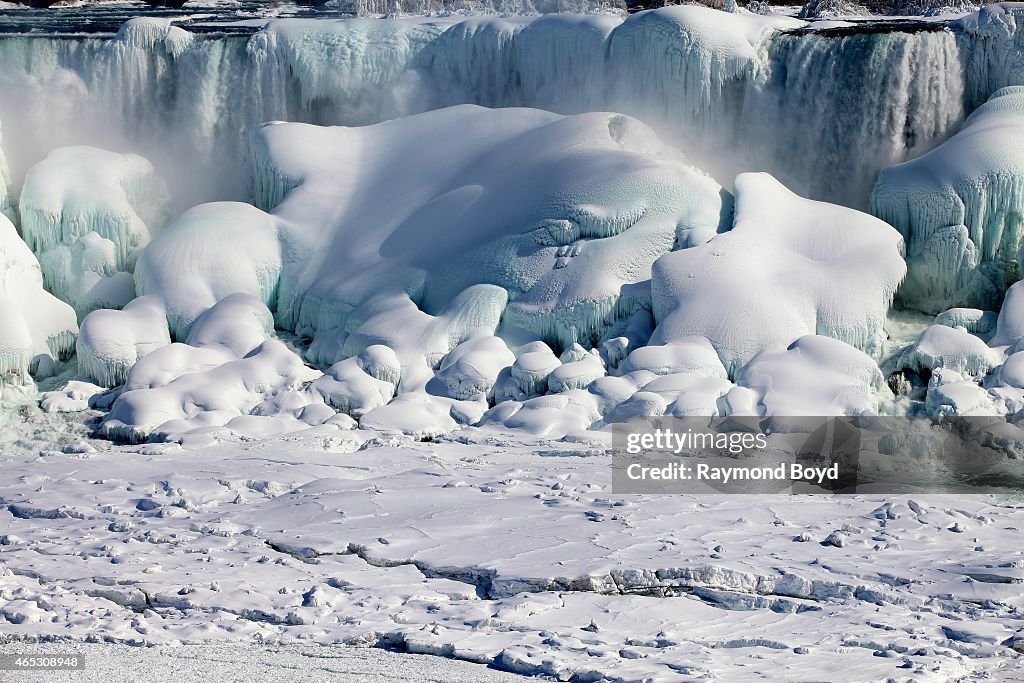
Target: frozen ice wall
822,110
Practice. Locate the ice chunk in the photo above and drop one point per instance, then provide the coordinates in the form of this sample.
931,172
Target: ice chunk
111,341
959,209
948,348
185,264
85,212
814,376
564,213
470,370
789,267
974,320
36,329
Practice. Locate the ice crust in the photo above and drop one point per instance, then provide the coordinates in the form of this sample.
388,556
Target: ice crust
86,212
807,268
959,208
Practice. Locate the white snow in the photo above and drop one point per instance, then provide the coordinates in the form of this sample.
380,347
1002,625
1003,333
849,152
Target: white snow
788,268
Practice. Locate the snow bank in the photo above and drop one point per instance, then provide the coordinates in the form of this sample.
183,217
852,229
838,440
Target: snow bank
187,268
959,209
789,267
111,341
565,214
85,212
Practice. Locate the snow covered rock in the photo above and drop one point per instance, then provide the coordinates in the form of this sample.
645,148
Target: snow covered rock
348,388
691,393
959,209
417,414
688,354
973,320
553,416
566,214
789,267
208,398
1010,322
948,348
185,264
36,329
534,363
575,374
239,322
85,212
112,341
470,370
815,375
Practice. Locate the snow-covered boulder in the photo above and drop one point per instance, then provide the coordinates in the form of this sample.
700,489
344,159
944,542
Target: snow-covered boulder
36,329
687,354
470,370
239,322
566,212
210,398
417,414
690,393
552,416
85,212
789,267
815,375
534,363
959,208
576,374
1010,322
949,348
207,253
111,341
348,388
973,320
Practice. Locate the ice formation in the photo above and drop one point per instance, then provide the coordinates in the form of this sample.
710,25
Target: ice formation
789,267
719,81
111,341
36,329
86,212
185,264
959,209
949,348
566,213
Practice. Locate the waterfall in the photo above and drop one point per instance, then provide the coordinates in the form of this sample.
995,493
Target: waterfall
824,111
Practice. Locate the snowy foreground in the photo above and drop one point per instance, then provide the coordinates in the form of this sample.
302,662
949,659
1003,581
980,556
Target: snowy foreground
500,550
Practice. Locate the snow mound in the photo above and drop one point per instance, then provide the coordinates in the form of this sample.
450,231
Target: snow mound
576,374
959,209
790,267
350,389
950,348
688,354
553,416
36,329
86,212
534,363
471,369
566,214
207,398
239,322
688,394
417,414
185,264
973,320
111,341
1010,323
814,375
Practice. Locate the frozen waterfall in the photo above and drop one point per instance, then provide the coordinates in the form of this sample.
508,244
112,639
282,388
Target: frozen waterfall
823,110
